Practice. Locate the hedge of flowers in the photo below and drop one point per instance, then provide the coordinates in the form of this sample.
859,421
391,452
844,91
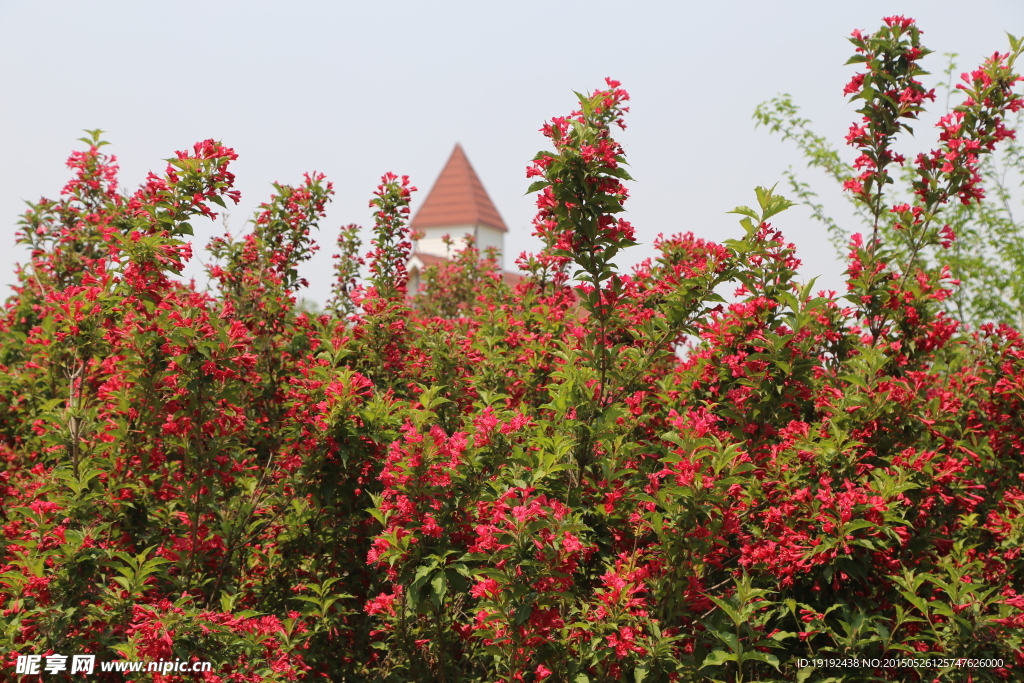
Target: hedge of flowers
697,470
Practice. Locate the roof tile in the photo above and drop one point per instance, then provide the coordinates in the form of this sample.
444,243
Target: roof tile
457,198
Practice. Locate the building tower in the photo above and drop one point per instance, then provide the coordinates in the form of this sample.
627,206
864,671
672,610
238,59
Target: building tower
457,206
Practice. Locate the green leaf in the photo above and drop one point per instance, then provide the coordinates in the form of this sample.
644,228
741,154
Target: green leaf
916,602
718,658
439,585
771,660
771,204
856,525
746,211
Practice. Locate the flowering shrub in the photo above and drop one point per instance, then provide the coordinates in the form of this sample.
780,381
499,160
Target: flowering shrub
589,476
986,254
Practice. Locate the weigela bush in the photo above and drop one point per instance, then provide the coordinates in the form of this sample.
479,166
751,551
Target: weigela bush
588,476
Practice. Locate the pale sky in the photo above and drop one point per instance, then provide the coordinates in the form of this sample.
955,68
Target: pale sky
355,89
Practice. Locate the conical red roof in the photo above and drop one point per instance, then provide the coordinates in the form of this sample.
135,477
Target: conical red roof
457,198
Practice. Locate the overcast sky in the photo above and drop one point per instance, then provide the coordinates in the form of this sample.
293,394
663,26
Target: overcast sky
355,89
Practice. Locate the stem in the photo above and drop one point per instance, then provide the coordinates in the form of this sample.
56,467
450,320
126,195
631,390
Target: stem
75,405
195,486
441,663
739,656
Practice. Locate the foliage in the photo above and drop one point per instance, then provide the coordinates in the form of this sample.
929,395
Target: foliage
986,256
451,289
626,479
